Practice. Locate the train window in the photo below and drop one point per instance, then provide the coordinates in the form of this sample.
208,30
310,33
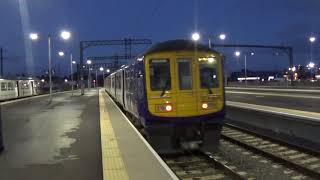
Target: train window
3,86
185,75
160,78
10,86
118,82
25,86
208,75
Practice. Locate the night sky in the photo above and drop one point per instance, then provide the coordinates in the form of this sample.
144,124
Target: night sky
287,22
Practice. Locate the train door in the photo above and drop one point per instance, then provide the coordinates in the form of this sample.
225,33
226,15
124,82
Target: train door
126,79
32,88
17,89
186,89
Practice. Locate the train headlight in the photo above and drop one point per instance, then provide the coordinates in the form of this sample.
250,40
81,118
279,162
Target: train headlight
204,106
168,107
164,107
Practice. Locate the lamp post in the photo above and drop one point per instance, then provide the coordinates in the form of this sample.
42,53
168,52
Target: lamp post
222,37
312,39
96,84
65,35
102,70
237,54
89,73
49,67
61,53
71,71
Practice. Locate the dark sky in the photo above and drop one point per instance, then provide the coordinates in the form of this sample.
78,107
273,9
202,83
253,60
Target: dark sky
288,22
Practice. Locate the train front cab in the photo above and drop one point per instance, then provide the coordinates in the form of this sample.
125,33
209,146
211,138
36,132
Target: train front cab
185,99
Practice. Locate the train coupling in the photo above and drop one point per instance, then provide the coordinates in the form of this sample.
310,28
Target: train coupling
190,145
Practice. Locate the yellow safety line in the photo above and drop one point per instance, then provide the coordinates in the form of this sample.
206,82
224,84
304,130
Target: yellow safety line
112,162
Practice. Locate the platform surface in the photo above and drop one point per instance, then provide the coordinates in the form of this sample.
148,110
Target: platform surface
57,140
74,137
135,159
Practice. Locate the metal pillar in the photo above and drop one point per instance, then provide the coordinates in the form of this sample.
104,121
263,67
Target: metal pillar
245,70
49,61
1,62
71,71
89,76
96,79
81,68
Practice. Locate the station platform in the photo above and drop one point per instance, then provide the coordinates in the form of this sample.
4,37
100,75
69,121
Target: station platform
74,137
299,127
296,99
306,115
52,140
125,153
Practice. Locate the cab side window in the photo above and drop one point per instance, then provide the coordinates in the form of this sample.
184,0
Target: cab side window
3,86
10,86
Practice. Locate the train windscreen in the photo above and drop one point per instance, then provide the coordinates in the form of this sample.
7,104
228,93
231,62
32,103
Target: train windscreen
208,75
160,75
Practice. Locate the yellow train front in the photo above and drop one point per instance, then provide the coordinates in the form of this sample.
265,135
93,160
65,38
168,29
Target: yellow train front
175,92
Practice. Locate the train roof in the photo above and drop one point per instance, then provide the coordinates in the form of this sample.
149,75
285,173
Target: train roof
178,45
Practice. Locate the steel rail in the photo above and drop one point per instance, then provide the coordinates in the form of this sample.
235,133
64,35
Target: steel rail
273,156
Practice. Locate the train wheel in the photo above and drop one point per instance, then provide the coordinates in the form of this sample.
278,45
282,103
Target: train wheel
211,138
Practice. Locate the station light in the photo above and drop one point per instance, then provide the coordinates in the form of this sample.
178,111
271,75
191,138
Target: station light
65,35
66,80
61,53
222,36
195,36
293,69
89,61
101,69
108,70
237,53
42,80
311,65
34,36
312,39
74,62
252,53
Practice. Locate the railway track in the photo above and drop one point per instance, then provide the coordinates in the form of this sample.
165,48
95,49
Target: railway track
189,166
304,161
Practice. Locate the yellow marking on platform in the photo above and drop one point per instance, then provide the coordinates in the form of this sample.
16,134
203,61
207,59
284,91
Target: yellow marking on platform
112,162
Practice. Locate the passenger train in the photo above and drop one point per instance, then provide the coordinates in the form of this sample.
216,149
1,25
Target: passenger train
13,89
175,93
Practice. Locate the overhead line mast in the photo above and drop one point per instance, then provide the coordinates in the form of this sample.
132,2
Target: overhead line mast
127,43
